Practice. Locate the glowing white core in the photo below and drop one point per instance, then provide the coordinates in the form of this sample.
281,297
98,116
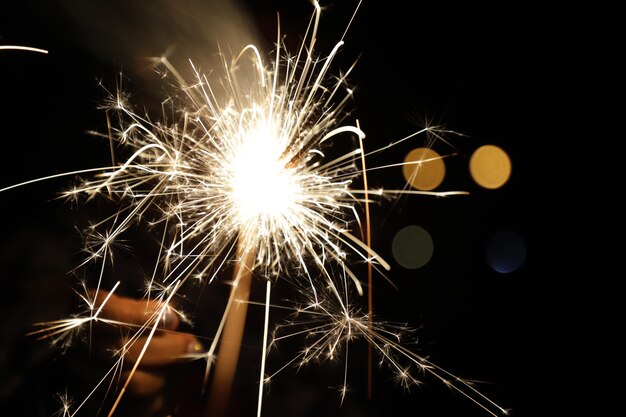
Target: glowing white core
262,187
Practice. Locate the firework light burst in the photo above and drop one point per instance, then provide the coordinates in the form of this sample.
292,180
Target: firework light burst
242,169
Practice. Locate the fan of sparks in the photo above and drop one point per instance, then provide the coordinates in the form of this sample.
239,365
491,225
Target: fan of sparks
239,169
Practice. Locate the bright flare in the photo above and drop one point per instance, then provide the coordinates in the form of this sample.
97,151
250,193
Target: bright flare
264,190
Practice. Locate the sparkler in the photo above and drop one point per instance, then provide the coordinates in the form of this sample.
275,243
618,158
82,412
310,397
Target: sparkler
239,171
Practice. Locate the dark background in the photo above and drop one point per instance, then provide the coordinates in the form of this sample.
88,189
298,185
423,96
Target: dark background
488,74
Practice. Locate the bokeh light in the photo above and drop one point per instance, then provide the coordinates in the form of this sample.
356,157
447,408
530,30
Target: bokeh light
412,247
506,251
424,169
490,166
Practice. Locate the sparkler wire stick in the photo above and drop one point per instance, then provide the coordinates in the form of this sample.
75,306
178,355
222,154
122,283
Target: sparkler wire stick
230,340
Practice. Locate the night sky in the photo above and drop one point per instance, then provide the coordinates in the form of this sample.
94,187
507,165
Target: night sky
437,63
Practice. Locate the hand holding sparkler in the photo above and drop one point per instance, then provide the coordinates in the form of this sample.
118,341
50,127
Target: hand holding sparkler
148,356
166,347
38,256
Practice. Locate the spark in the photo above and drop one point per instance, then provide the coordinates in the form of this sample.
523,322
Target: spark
22,48
330,324
66,404
245,173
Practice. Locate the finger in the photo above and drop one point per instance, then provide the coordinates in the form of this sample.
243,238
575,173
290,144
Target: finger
135,311
144,383
163,349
